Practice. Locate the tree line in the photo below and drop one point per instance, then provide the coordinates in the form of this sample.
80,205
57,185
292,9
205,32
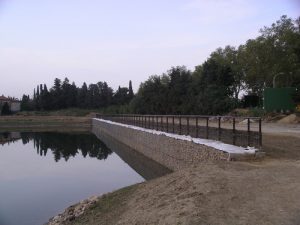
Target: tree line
67,145
214,87
63,95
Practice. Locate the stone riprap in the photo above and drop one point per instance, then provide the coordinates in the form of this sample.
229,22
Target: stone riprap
170,152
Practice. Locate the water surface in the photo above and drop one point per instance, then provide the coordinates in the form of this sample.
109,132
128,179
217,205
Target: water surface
43,173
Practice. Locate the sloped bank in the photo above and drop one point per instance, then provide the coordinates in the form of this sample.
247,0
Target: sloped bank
176,152
44,123
211,193
172,151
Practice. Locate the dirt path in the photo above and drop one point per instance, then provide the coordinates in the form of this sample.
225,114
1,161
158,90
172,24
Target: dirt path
281,141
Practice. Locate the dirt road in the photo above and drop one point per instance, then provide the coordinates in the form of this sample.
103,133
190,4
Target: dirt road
281,141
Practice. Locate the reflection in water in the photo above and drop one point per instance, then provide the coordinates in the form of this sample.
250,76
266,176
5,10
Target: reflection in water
146,167
62,145
66,145
34,187
7,137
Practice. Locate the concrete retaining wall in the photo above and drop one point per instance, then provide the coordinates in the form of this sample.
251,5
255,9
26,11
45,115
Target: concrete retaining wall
171,153
146,167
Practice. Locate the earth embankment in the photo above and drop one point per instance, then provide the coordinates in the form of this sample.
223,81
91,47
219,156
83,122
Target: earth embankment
28,123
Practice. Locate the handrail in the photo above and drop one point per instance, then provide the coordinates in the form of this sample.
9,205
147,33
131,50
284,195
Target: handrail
177,115
189,125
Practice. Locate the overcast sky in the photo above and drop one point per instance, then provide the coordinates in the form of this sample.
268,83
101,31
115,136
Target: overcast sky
117,41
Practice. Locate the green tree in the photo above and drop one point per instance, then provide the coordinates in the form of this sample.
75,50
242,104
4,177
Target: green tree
26,103
82,96
130,91
232,58
5,109
275,51
216,95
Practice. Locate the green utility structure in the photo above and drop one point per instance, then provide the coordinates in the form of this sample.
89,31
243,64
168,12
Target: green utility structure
279,99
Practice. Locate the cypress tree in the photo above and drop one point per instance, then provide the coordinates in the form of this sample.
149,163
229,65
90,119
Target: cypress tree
5,109
130,92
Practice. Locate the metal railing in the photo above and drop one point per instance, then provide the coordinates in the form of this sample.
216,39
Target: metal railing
240,131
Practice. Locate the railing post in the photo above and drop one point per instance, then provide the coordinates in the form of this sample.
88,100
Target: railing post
248,130
206,127
167,124
260,133
233,131
173,124
180,125
219,128
188,125
161,124
197,127
156,122
147,121
151,122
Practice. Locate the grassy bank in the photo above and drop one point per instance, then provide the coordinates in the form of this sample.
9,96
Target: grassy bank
114,109
24,123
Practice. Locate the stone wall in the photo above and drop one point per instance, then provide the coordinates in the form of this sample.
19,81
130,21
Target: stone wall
170,152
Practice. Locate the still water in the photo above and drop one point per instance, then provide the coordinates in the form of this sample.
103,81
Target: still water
41,173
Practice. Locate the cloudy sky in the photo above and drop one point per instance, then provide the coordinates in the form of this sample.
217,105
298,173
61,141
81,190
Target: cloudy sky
117,41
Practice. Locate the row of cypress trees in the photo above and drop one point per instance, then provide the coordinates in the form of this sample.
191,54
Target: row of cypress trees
63,95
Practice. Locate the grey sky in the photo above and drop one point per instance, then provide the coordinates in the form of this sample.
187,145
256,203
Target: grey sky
117,41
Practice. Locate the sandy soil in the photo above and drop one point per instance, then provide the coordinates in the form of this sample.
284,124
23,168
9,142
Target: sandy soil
223,193
219,193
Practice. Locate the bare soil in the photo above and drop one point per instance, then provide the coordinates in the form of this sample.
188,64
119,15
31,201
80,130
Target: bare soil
264,192
219,193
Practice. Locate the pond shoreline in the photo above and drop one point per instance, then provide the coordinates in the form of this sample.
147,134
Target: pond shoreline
209,193
212,193
44,123
74,211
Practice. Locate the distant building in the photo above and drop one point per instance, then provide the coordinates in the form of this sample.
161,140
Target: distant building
9,137
13,103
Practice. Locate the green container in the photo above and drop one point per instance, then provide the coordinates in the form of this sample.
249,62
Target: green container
279,99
